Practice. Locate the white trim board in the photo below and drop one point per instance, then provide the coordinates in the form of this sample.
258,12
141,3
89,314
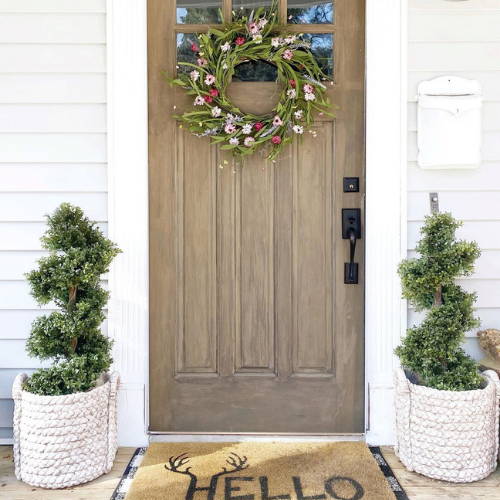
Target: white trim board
386,124
385,233
128,210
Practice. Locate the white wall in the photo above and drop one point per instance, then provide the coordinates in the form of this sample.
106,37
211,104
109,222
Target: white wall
52,148
460,38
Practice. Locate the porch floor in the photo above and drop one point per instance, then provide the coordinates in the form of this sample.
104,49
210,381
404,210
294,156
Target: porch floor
417,487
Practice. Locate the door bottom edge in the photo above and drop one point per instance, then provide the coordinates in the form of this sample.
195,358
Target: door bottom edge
231,437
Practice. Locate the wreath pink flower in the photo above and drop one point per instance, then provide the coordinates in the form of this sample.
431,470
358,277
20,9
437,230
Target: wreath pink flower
230,128
277,121
253,28
210,79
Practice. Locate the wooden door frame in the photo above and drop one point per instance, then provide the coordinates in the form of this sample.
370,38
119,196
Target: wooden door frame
385,311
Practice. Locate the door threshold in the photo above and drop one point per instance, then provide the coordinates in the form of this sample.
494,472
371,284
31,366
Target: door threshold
165,437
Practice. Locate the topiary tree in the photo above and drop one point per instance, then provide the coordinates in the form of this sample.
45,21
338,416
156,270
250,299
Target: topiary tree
70,277
432,350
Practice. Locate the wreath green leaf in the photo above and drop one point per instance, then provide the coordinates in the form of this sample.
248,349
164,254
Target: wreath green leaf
258,36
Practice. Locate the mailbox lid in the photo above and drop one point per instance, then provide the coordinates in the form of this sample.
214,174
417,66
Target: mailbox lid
449,86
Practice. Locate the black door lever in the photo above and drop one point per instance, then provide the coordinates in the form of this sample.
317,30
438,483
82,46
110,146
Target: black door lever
351,267
351,230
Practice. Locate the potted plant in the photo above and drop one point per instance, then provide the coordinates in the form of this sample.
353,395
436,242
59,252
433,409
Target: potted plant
446,410
65,414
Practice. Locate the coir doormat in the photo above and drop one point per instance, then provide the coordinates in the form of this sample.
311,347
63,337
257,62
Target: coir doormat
258,471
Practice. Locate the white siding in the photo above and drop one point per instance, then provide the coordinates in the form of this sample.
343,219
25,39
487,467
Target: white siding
52,148
460,38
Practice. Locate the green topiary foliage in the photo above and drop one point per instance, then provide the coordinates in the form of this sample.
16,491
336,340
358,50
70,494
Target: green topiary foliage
432,350
70,277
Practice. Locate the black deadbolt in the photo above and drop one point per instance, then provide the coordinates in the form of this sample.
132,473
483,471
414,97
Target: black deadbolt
351,184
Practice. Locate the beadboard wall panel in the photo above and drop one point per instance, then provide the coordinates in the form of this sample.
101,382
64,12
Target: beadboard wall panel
54,177
56,28
6,412
25,235
53,6
466,205
6,381
53,118
443,6
459,27
50,88
34,206
482,179
461,39
52,58
485,232
52,149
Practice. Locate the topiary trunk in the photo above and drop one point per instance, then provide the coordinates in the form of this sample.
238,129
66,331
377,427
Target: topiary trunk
432,350
69,276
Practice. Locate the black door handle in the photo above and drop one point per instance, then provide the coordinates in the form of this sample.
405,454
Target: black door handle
351,267
351,230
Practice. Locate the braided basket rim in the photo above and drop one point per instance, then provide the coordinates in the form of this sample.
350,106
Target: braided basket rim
447,394
19,393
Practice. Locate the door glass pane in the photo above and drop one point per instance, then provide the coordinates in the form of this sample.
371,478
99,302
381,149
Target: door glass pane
322,48
310,12
244,7
199,11
255,71
184,51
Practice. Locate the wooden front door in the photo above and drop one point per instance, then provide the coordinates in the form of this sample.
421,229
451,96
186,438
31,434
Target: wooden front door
252,328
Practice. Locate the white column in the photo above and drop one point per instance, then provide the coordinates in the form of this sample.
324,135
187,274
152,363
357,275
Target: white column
128,209
385,316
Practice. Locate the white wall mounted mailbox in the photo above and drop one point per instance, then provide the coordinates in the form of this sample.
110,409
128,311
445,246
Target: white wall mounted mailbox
449,123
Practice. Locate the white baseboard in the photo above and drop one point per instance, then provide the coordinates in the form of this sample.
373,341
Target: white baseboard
381,416
131,416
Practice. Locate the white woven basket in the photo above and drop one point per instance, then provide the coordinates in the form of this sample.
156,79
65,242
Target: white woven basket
62,441
447,435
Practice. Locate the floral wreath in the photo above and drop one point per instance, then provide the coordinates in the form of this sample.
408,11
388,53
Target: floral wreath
256,37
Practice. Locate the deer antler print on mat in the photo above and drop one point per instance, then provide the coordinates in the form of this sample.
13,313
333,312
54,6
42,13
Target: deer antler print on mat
175,464
236,462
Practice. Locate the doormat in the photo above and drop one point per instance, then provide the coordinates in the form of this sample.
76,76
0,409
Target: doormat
258,471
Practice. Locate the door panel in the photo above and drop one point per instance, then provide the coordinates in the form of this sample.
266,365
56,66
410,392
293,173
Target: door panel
252,328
